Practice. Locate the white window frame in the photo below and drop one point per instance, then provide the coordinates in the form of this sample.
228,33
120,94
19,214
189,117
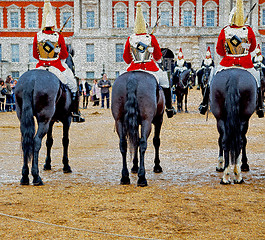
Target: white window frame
90,44
1,18
93,19
120,54
67,9
90,7
210,6
188,6
120,7
28,9
166,7
13,55
13,8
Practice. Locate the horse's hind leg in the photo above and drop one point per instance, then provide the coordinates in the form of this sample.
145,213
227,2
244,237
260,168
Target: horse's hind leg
49,143
220,164
123,148
42,130
135,161
66,126
244,166
145,132
156,142
186,103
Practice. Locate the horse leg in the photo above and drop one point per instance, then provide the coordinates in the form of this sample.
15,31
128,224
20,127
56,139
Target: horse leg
123,148
135,161
42,130
25,172
226,177
244,166
186,102
49,143
156,143
220,164
65,141
145,132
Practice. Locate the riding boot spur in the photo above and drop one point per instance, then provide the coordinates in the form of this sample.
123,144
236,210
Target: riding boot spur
170,110
204,105
259,108
76,115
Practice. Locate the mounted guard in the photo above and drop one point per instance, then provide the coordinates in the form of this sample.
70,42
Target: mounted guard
235,43
141,49
180,65
50,50
258,60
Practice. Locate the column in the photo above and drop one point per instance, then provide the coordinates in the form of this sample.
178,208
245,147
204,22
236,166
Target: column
131,13
103,17
176,13
199,13
77,16
153,12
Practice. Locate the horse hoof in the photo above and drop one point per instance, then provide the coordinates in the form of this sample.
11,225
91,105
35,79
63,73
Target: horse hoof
38,182
219,169
125,181
47,167
142,183
245,168
134,170
158,169
67,170
24,181
225,183
186,111
238,182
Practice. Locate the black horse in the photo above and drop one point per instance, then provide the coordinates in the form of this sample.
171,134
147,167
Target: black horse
40,94
181,85
233,94
206,71
137,100
259,68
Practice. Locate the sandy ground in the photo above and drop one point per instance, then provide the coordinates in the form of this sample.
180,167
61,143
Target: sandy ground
186,201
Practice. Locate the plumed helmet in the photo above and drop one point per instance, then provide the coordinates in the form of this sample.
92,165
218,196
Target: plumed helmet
48,16
208,53
258,50
139,25
237,14
180,54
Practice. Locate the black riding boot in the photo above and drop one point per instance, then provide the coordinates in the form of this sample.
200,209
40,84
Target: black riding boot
259,108
75,108
204,105
170,110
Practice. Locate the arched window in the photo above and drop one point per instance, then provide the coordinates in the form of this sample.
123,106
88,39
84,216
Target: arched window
120,15
65,12
165,11
90,15
13,16
210,14
187,14
31,17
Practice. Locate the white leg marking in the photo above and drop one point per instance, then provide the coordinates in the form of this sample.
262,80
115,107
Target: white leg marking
226,176
220,164
237,172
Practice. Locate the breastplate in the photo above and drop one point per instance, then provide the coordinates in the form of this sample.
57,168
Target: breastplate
48,46
236,41
141,48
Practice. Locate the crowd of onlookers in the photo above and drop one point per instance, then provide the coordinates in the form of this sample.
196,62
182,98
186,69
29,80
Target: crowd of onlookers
7,96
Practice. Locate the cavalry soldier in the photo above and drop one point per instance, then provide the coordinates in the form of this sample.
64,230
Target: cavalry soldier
180,64
258,60
50,50
141,49
207,62
235,43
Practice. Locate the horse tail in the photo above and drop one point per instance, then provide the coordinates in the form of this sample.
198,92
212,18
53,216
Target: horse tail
27,125
233,129
131,118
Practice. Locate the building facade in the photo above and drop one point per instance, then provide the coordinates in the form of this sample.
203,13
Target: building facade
98,29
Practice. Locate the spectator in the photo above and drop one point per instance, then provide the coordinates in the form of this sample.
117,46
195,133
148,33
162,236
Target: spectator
2,96
85,89
8,94
104,84
13,85
95,93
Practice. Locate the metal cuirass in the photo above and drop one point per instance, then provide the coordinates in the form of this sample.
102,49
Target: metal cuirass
141,48
236,41
48,46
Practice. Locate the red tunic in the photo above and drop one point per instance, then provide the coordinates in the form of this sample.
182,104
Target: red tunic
55,63
149,66
229,61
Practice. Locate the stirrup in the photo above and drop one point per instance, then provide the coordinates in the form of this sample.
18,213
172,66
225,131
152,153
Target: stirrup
203,109
77,117
171,112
